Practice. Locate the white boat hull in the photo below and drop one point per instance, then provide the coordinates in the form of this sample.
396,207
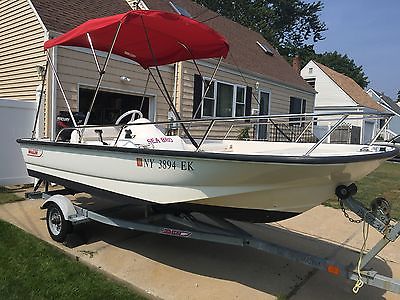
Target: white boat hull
294,184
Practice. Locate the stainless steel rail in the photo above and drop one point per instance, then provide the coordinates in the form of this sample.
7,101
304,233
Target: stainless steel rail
310,118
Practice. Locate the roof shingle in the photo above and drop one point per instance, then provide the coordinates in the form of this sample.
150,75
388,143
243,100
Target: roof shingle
62,16
351,88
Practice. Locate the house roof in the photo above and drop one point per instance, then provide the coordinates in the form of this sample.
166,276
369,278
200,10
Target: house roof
245,54
383,96
62,16
351,88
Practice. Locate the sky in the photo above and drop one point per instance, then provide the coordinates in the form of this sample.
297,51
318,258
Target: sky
368,31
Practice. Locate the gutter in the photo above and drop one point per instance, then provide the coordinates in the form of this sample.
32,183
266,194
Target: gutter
53,96
228,68
48,83
38,17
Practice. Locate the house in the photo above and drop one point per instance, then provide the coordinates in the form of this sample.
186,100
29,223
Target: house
394,125
339,93
253,78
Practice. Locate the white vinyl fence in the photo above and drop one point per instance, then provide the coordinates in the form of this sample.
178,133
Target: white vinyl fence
16,121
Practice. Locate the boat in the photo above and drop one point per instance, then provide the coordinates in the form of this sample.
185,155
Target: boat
253,181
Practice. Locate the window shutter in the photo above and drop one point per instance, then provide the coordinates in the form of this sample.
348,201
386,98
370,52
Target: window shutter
249,95
197,93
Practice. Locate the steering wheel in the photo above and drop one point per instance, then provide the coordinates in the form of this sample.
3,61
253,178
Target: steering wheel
129,112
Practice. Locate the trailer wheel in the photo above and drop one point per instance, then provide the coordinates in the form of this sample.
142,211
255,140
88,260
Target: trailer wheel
57,226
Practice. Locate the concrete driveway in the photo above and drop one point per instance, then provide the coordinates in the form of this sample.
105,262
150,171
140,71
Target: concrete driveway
171,268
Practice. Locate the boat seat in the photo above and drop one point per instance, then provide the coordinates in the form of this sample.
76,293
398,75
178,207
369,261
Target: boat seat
137,135
92,135
107,133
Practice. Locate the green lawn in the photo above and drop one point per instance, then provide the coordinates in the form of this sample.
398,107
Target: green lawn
8,195
32,269
384,181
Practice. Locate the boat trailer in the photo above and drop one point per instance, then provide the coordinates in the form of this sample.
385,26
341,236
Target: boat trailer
62,214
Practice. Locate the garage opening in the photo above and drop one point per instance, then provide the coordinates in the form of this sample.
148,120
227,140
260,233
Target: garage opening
110,105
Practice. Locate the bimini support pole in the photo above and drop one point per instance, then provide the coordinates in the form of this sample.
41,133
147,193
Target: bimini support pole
102,71
381,130
40,100
198,71
93,52
337,124
244,79
167,95
303,131
172,106
207,87
61,87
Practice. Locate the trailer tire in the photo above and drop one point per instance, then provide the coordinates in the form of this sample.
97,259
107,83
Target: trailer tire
57,226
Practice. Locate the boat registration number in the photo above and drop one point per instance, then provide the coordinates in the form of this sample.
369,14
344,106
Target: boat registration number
165,164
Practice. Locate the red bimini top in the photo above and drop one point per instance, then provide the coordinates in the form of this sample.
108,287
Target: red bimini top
148,37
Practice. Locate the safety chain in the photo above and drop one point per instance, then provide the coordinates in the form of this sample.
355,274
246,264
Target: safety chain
346,214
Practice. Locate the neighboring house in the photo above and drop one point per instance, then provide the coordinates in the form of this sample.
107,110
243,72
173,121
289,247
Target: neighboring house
338,93
394,125
254,77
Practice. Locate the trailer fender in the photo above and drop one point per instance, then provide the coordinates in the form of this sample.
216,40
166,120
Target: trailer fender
66,206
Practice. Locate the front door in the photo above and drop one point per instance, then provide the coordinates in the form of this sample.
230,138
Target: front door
264,110
110,105
368,132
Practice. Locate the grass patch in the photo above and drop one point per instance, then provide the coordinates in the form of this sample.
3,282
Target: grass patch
8,195
383,182
32,269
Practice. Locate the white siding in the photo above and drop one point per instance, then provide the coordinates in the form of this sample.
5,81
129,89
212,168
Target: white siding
329,93
21,48
77,68
279,94
394,124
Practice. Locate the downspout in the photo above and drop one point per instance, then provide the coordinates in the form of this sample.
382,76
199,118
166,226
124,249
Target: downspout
43,119
43,87
53,96
175,94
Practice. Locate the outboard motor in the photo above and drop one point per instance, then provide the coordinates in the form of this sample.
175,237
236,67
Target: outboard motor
64,121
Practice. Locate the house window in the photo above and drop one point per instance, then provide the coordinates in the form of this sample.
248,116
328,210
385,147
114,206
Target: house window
311,81
209,99
264,110
223,99
109,105
310,70
240,101
265,48
297,106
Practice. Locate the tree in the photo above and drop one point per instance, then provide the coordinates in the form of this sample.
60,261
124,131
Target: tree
398,96
343,64
287,24
291,26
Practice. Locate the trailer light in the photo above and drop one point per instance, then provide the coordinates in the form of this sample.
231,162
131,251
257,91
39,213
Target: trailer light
333,270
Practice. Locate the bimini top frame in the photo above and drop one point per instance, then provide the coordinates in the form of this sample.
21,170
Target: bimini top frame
151,38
